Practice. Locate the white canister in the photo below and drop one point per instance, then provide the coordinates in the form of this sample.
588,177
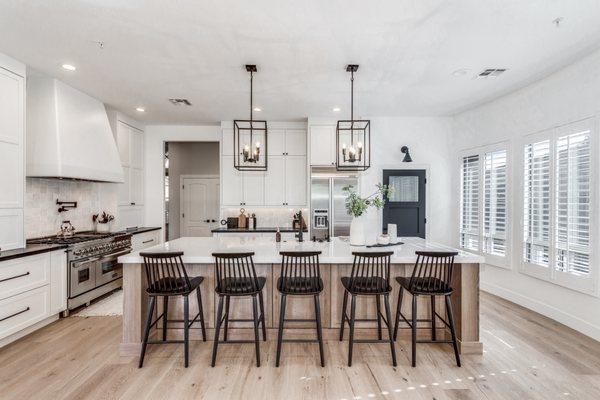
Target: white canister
392,232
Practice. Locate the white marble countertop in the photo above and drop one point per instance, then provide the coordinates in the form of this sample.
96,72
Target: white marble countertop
198,250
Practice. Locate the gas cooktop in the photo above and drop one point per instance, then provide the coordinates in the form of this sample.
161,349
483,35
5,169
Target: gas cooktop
76,238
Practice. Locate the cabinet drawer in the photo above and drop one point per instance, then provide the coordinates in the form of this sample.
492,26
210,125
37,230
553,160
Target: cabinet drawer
25,309
144,240
21,274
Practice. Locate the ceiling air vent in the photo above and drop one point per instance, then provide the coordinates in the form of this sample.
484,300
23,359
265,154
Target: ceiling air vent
491,73
179,102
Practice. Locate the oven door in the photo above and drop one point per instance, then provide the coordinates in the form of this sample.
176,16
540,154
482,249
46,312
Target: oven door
82,276
108,269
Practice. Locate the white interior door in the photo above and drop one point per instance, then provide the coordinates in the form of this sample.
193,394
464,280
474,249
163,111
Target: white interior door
199,206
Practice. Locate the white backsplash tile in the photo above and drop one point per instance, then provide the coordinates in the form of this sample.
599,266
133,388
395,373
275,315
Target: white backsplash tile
41,211
268,217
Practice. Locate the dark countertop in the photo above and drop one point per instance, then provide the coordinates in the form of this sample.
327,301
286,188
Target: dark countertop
256,230
135,231
30,250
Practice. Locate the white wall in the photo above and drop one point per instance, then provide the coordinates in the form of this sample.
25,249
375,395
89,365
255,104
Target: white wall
155,138
185,158
429,142
568,95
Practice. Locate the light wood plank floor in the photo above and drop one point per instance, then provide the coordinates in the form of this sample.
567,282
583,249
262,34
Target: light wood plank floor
527,356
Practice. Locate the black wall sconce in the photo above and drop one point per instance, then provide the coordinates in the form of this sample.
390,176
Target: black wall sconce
407,157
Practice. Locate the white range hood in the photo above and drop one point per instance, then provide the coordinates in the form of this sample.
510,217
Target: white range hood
68,134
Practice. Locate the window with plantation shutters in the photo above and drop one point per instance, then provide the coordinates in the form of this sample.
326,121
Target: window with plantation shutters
537,203
572,203
494,203
558,216
469,204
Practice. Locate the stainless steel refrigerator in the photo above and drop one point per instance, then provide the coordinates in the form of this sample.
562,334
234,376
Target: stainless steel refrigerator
327,204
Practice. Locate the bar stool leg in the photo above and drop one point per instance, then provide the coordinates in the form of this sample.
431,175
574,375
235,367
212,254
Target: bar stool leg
217,329
398,311
186,330
452,329
352,318
262,315
388,316
378,299
164,317
319,329
344,306
433,333
226,324
151,302
201,311
281,325
414,330
256,337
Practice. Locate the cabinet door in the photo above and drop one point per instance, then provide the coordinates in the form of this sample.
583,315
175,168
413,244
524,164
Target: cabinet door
130,216
275,182
254,188
136,186
276,142
11,139
231,182
295,142
137,148
123,142
295,180
322,145
125,188
11,229
227,142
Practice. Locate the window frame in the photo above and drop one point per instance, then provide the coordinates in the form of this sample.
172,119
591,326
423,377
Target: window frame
481,151
585,284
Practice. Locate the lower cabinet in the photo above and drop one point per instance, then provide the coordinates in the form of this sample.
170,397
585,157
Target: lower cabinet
143,240
32,289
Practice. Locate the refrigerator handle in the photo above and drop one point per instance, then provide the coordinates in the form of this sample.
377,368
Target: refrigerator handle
331,210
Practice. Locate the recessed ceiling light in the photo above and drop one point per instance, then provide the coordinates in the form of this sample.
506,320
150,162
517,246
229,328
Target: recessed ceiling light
257,109
460,72
140,109
69,67
336,109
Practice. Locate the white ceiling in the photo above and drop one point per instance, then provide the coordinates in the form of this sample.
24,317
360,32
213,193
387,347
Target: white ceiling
407,51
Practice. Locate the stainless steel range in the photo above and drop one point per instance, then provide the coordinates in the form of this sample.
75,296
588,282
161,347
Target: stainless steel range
93,269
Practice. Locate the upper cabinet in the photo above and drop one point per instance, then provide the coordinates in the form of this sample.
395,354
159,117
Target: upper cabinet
322,145
284,183
12,153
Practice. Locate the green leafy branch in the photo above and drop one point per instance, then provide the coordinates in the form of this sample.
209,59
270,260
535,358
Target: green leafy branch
356,205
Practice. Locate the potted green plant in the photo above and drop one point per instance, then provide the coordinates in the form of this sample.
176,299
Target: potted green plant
102,221
357,206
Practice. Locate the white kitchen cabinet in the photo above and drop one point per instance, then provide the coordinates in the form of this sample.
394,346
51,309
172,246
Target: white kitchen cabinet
276,142
322,145
295,180
140,241
129,138
32,289
12,153
275,181
295,142
231,183
253,184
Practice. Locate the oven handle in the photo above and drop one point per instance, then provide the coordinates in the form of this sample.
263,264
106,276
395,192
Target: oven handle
120,253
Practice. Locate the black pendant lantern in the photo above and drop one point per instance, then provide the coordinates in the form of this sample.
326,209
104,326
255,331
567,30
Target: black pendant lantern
250,138
353,137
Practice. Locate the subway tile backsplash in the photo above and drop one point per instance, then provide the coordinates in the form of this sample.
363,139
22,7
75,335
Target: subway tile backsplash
41,215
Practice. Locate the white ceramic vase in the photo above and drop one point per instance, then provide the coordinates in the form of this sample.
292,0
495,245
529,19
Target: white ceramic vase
103,228
357,231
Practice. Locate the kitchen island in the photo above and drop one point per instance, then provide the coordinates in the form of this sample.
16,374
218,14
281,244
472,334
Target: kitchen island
336,261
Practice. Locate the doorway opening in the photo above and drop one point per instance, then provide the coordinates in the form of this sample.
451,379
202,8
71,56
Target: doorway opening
191,192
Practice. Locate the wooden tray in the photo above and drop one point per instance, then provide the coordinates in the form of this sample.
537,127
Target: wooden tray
385,245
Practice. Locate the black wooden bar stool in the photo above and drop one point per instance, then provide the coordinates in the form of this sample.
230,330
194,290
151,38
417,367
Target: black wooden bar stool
167,276
370,276
236,276
431,277
300,276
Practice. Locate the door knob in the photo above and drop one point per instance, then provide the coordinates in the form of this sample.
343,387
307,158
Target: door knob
213,220
207,220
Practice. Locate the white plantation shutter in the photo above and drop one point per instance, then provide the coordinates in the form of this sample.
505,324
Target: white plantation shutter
572,203
469,204
537,203
494,203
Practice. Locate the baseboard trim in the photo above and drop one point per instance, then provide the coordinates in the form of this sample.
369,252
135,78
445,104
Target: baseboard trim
564,318
30,329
